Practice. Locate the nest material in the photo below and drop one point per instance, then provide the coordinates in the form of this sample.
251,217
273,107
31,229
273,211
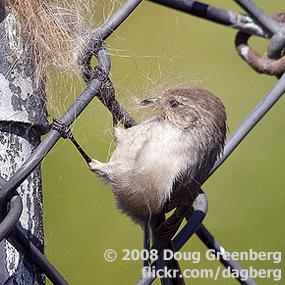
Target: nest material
52,31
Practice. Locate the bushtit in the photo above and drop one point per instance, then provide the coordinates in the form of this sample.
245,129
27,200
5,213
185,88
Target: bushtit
159,164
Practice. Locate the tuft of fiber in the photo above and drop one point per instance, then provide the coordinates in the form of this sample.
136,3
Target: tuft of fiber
52,31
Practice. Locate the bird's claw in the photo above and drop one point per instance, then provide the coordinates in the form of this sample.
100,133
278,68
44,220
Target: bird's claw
61,128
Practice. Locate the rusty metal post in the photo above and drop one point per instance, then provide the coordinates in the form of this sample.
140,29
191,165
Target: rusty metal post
23,116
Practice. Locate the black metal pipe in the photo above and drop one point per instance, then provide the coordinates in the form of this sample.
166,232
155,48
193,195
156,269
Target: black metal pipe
217,15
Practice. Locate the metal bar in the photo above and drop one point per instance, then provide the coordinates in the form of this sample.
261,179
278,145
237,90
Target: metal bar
208,239
217,15
117,19
12,217
262,18
17,238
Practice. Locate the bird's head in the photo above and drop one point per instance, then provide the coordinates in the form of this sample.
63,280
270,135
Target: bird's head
187,106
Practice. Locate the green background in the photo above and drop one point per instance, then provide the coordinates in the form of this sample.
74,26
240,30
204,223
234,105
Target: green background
154,48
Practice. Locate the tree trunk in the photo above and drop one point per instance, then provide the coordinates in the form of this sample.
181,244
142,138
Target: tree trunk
23,116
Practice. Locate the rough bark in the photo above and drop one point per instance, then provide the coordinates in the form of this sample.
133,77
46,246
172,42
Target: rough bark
22,117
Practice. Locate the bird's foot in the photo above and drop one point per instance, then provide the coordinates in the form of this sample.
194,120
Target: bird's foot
61,128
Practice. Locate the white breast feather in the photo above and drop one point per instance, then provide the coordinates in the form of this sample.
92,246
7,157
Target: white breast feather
146,162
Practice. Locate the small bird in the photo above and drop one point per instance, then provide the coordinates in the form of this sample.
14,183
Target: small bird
159,164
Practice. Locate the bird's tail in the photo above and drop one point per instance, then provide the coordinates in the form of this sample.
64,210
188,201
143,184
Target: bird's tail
167,268
170,271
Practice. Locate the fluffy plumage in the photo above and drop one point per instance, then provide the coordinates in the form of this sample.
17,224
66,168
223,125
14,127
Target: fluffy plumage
184,137
160,164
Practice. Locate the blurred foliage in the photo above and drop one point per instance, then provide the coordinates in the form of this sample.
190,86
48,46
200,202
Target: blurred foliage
157,47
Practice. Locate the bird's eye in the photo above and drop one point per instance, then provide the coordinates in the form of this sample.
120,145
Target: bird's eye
174,104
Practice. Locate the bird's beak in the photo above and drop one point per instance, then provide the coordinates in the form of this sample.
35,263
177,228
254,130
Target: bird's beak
149,102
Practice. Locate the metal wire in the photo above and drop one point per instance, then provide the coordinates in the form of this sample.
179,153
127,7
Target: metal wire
12,217
251,120
262,18
117,19
208,239
217,15
52,137
25,246
200,207
17,238
277,44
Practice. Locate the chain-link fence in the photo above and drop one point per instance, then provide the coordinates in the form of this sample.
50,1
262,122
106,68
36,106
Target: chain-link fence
99,85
